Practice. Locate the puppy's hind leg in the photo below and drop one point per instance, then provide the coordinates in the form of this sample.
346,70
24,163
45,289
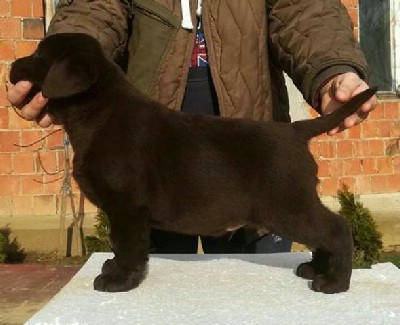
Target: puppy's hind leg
130,233
331,266
317,266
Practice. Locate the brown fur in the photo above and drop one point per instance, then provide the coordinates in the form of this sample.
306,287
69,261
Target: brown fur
147,166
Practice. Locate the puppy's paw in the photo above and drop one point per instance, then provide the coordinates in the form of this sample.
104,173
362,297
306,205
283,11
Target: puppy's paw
115,279
326,284
306,271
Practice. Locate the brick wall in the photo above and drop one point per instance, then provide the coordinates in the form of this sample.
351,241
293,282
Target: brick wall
367,157
30,177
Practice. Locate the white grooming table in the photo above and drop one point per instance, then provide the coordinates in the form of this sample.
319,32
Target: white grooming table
225,289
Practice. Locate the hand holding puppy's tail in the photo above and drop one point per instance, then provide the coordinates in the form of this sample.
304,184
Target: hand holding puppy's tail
308,129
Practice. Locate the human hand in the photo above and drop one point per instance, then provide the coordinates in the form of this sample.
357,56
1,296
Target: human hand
339,90
32,110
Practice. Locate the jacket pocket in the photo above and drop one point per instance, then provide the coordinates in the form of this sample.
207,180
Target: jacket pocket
153,29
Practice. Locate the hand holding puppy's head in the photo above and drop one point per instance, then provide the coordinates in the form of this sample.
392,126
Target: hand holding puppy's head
63,65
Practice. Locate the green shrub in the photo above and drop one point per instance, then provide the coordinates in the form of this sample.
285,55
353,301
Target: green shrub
3,243
100,242
367,239
10,251
392,257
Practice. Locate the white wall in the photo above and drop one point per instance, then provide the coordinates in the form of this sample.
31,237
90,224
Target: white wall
298,106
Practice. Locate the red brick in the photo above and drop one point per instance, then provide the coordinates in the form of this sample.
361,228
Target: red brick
25,48
385,128
363,184
8,139
336,168
30,139
395,130
369,129
385,165
3,91
7,52
23,205
369,166
3,118
353,133
394,183
9,185
61,159
327,149
391,110
376,147
396,165
4,71
353,13
345,149
31,184
21,8
23,162
378,113
47,162
352,167
5,163
10,28
4,9
314,148
350,182
37,8
323,168
33,28
52,183
329,186
17,123
55,140
360,148
338,136
350,3
379,183
392,147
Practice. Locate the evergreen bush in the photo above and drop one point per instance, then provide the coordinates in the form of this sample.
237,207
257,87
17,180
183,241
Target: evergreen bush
100,242
367,239
10,251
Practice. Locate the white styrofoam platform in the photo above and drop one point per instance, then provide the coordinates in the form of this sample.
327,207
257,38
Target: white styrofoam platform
232,289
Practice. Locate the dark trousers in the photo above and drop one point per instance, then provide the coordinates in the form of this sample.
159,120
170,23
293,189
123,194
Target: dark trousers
200,98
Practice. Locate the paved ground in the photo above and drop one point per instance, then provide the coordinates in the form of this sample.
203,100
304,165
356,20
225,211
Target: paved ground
24,289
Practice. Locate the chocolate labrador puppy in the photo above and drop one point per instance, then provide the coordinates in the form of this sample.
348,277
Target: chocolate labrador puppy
147,166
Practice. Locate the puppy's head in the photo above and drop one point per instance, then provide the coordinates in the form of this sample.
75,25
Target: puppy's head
63,65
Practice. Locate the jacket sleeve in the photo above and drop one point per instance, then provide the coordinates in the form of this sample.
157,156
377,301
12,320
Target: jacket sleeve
313,41
106,20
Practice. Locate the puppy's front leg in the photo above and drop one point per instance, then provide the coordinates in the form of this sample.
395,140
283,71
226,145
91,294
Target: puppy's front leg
130,236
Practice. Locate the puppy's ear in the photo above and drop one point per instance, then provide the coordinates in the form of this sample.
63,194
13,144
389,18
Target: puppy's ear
70,76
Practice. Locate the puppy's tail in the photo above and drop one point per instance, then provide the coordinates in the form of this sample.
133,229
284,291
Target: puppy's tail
308,129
